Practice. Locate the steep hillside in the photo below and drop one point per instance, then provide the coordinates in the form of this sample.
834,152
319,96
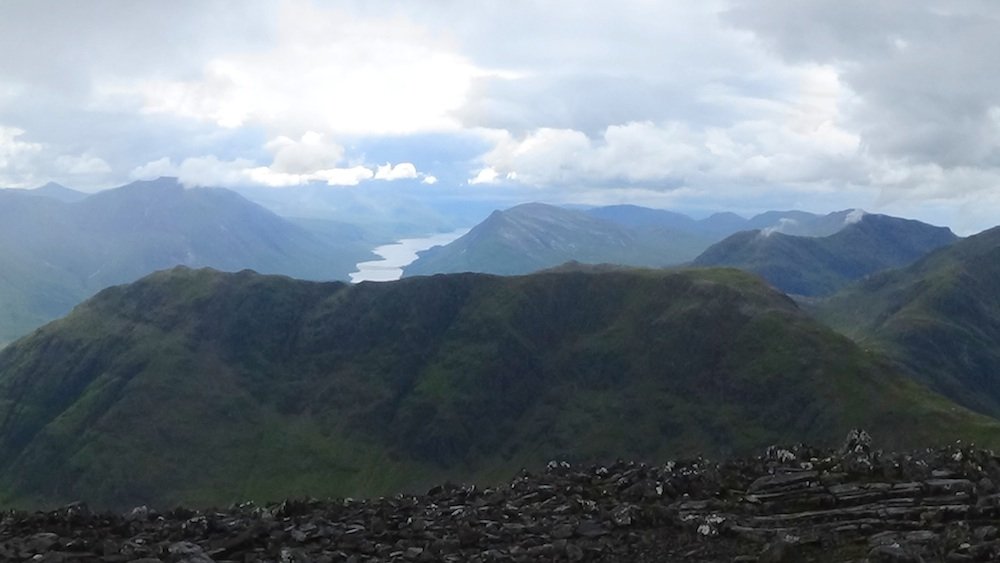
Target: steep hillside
534,236
155,225
815,266
939,318
203,387
54,254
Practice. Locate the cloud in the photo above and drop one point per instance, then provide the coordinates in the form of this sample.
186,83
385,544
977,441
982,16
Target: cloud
210,171
351,176
312,152
68,47
401,171
485,176
134,84
16,156
154,169
926,80
782,226
82,164
855,216
670,155
328,67
567,64
722,103
345,176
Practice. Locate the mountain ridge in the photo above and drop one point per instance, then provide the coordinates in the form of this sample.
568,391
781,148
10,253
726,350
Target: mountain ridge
201,386
534,236
936,318
52,190
122,234
816,266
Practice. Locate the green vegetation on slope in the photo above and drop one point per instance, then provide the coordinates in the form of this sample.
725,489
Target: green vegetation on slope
815,266
938,318
203,387
534,236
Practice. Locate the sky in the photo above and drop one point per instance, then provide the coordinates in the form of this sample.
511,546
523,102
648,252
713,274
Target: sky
743,105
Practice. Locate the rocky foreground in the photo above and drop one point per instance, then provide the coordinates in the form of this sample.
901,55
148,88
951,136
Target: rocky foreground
789,504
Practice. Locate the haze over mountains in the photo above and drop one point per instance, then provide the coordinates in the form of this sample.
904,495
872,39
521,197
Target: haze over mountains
388,212
55,253
92,241
119,235
51,190
203,387
799,252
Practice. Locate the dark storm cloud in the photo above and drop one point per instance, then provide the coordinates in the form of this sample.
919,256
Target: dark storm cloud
926,73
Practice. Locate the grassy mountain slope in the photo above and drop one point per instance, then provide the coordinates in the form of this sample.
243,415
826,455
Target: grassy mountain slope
54,254
814,266
939,318
534,236
203,387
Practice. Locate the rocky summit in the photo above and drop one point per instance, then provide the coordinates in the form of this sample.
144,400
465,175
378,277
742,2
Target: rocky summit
787,504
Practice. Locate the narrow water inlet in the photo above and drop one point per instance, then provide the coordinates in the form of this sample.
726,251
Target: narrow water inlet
398,255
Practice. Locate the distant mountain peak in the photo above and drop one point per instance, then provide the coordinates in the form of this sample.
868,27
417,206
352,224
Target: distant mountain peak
52,186
58,191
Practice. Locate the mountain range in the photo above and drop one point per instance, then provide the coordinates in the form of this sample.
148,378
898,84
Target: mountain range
939,319
57,249
388,211
51,190
821,265
800,252
533,236
91,241
204,387
791,222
